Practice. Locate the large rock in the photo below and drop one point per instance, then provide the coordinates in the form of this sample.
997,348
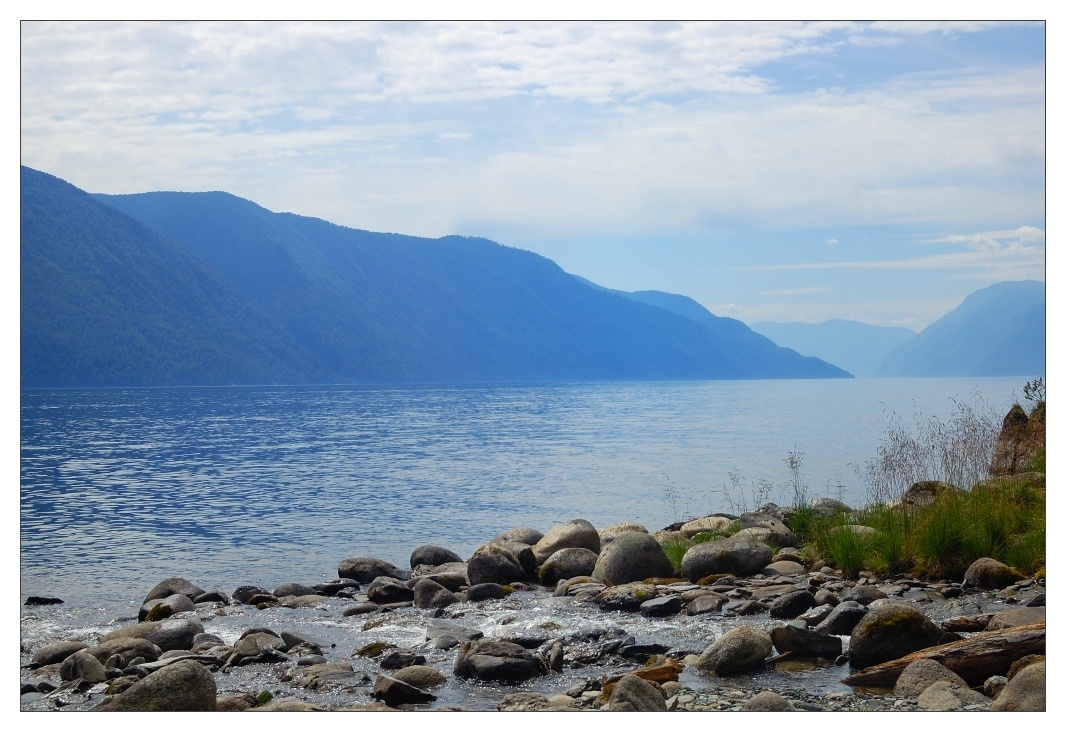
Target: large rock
987,573
293,589
82,665
921,674
633,694
367,569
55,653
890,632
566,564
127,648
433,556
498,662
706,525
496,564
183,686
740,557
802,642
1026,692
1017,617
768,701
947,696
395,692
631,557
430,595
1021,438
385,590
522,535
741,650
927,492
774,530
170,634
823,506
159,609
791,604
424,677
576,534
615,530
173,586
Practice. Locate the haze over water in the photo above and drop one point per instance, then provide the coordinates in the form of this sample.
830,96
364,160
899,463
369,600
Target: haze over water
121,488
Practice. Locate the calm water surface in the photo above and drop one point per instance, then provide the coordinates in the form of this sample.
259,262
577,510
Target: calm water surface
227,486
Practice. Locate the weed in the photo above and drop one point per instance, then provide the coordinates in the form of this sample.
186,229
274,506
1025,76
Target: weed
675,551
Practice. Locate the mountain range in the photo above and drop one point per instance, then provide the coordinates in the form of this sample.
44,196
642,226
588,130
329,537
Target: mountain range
207,288
857,347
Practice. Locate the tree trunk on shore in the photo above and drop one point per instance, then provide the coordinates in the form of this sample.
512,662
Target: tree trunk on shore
974,659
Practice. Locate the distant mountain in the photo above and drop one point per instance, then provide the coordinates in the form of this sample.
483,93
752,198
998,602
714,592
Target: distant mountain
182,288
105,301
856,347
997,331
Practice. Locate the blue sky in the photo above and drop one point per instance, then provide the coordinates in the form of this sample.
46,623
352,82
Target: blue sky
770,170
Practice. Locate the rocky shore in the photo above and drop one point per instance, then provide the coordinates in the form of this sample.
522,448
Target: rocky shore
573,619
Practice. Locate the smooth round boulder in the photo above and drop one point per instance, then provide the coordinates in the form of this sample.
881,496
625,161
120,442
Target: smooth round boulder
862,594
802,642
889,632
947,696
1026,692
173,586
433,556
55,653
613,531
823,506
522,535
244,593
160,609
631,557
784,568
498,662
741,650
1017,617
566,564
293,589
485,591
496,564
127,649
778,533
170,634
394,692
768,701
82,665
576,534
633,694
183,686
430,595
366,569
842,619
707,525
424,677
921,674
990,574
740,557
385,590
791,604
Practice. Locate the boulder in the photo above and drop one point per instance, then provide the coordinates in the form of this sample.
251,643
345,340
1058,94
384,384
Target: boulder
366,569
159,609
430,595
485,591
496,564
661,607
183,686
173,586
55,653
862,594
244,593
293,589
625,598
497,662
433,556
926,492
1026,692
385,590
633,694
576,534
631,557
739,557
1017,617
127,649
778,534
921,674
82,665
784,568
768,701
522,535
802,642
1021,438
829,507
947,696
170,634
990,574
791,604
890,632
710,602
707,525
335,587
566,564
394,692
399,658
741,650
615,530
424,677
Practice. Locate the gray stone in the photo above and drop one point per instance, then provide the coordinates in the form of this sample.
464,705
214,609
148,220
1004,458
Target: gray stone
170,634
183,686
55,653
497,662
706,525
293,589
784,568
566,564
82,665
768,701
496,564
524,701
862,594
615,530
429,595
921,674
661,607
780,535
1026,692
576,534
385,590
829,506
127,648
160,609
843,619
739,557
740,650
485,591
244,593
631,557
791,604
173,586
625,598
422,676
522,535
890,632
322,675
394,692
947,696
401,658
990,574
632,693
710,602
1017,617
433,555
366,569
803,642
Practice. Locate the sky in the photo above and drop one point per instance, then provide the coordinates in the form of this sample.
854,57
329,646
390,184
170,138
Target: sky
779,171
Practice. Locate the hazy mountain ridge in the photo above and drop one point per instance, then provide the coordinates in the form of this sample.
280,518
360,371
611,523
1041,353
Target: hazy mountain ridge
292,299
856,347
999,330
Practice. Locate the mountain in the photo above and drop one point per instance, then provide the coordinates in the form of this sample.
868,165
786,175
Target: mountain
105,301
176,288
997,331
856,347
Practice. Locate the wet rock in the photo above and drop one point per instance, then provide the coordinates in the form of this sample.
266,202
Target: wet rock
211,596
522,535
173,586
661,607
1026,692
740,650
803,642
990,574
245,593
791,604
738,557
710,602
421,676
485,591
82,665
706,525
360,608
768,701
170,634
497,662
633,694
496,564
159,609
612,532
843,619
183,686
890,632
292,639
428,594
921,674
784,568
1017,617
862,594
625,598
631,557
366,569
385,590
323,675
566,564
55,653
37,600
576,534
401,658
293,589
433,555
453,581
946,696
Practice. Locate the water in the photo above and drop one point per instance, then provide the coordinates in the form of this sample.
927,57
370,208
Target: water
122,488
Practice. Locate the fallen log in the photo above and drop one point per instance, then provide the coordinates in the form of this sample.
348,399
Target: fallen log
974,659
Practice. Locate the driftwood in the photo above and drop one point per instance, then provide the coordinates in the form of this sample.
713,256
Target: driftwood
974,659
668,670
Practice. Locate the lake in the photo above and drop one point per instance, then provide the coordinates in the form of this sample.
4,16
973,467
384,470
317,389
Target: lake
121,488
